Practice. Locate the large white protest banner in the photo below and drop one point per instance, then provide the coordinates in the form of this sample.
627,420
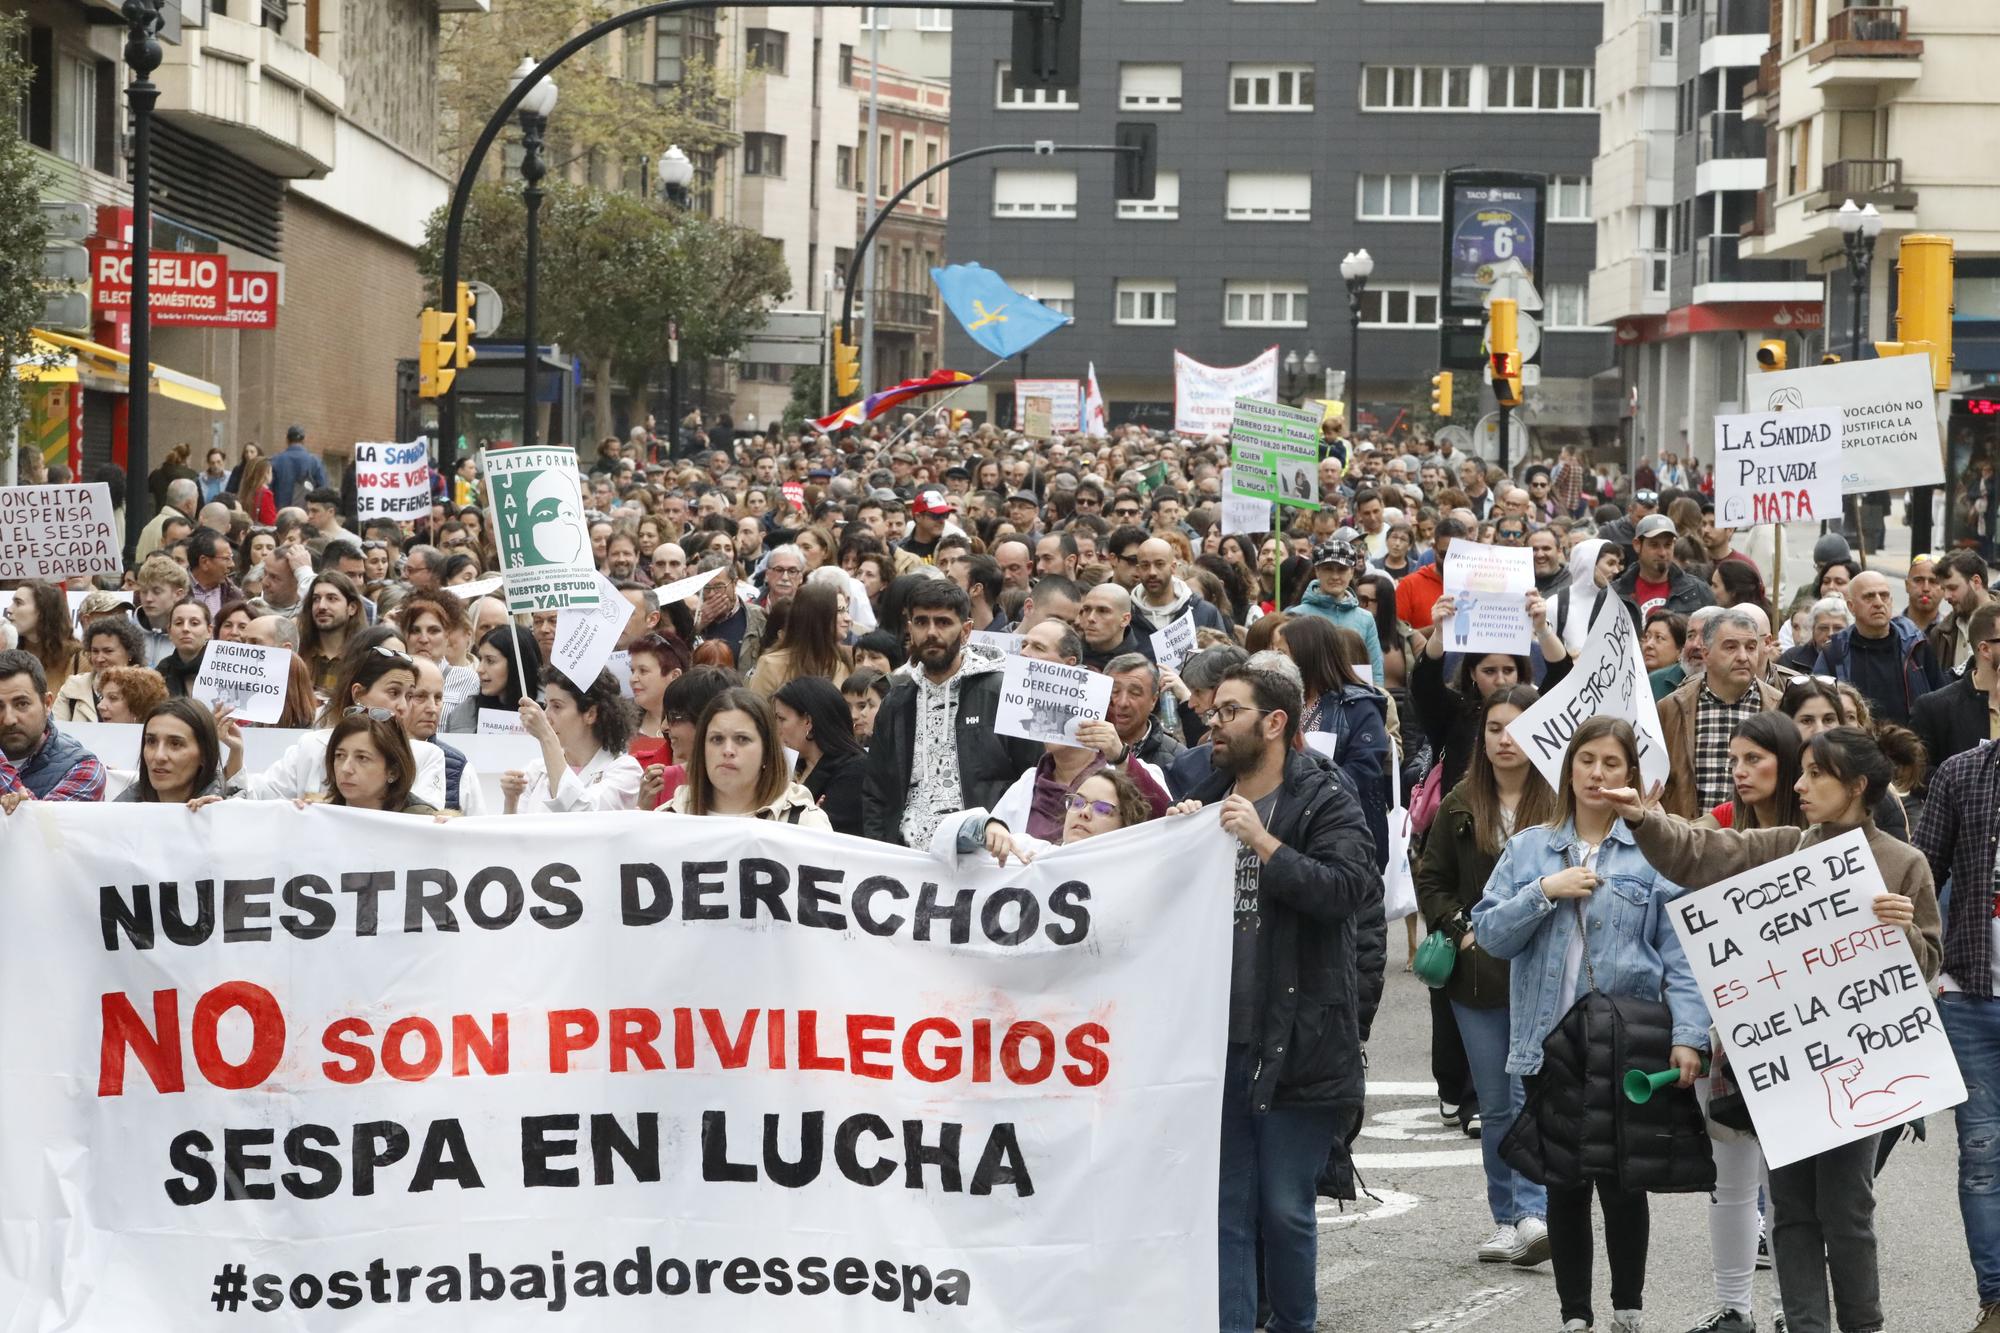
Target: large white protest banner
1489,587
1045,701
338,1069
1274,454
1205,396
537,502
586,636
1828,1023
392,480
1609,677
1888,413
57,532
1777,467
250,678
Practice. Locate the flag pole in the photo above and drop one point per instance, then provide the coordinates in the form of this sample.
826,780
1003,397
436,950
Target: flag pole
944,402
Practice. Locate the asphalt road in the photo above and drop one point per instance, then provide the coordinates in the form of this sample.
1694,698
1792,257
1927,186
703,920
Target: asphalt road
1407,1264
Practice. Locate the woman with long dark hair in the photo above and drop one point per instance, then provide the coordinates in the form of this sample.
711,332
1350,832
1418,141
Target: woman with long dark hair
1377,595
1739,583
180,755
1823,1207
1764,767
254,492
509,666
40,615
740,767
812,642
378,678
583,735
1502,792
815,721
1575,907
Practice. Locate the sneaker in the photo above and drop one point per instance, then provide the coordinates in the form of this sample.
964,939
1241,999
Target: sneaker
1726,1321
1763,1251
1531,1243
1447,1112
1989,1318
1575,1326
1778,1324
1472,1125
1626,1321
1500,1246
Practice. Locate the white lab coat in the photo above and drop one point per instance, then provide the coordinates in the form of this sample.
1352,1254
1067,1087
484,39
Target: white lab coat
607,782
301,772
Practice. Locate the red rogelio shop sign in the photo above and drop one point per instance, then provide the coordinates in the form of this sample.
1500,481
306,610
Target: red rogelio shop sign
185,288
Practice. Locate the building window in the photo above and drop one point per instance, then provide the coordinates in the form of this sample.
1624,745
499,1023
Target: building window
1414,306
1029,192
1397,196
636,63
872,18
909,162
843,167
1568,305
76,120
1569,198
1145,301
844,70
765,49
1539,88
1164,206
1258,303
1149,87
1270,87
1416,88
1058,294
763,154
679,39
1011,98
933,20
1269,196
1663,46
931,183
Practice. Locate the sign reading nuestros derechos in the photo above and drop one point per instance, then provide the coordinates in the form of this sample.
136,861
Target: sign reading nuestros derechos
324,1068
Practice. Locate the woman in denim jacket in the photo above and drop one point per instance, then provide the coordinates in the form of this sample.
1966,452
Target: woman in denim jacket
1556,885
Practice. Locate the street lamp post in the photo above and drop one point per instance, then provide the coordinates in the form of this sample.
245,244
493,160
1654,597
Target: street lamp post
1300,375
1858,229
142,55
536,108
676,174
1354,270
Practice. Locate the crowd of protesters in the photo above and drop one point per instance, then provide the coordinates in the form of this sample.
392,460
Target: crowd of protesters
841,669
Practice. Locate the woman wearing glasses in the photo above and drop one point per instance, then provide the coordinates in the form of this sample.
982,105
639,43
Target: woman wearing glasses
378,677
1104,802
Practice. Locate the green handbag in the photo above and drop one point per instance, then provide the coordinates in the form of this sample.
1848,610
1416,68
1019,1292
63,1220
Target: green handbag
1436,957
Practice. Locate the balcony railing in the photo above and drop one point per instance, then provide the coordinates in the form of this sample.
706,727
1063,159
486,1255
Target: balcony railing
1869,23
1719,259
1766,86
910,309
1726,134
1863,178
1735,18
1759,221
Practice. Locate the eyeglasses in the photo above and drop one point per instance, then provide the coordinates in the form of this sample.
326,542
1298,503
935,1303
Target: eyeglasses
1078,802
1229,712
1125,511
401,659
372,714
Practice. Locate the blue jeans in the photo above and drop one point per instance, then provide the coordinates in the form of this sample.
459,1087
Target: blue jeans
1510,1195
1270,1164
1973,1025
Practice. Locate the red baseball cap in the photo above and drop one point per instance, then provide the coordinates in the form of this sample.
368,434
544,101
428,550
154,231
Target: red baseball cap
936,503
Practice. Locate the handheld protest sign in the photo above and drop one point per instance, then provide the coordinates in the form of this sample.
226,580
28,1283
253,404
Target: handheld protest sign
539,527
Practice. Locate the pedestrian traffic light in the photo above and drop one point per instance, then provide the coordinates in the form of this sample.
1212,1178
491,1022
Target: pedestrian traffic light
1138,166
846,367
1504,345
462,354
434,372
1441,394
1771,354
1048,46
1924,269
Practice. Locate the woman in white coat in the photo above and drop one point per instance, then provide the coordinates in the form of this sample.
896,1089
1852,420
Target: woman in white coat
583,735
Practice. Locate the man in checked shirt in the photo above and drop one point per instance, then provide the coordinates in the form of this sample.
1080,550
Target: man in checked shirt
37,762
1700,718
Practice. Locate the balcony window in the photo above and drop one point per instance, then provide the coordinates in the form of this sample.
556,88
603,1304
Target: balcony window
1269,196
1413,306
1164,206
765,49
1399,197
1416,88
679,39
1270,87
1028,192
763,154
1145,301
1011,97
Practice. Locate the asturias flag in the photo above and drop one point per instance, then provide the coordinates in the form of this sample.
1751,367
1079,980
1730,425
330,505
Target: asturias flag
996,316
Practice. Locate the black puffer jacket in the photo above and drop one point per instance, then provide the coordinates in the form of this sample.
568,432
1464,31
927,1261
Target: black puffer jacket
1578,1125
1321,950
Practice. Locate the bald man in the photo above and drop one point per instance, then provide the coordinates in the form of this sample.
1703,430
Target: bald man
1104,619
1161,596
1881,654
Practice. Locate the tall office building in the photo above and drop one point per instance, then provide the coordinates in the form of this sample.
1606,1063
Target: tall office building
1290,134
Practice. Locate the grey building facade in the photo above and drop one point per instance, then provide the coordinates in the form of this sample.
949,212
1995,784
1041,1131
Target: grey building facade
1290,134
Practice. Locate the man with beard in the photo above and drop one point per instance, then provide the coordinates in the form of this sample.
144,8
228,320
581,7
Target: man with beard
37,762
1308,920
1162,597
333,612
934,751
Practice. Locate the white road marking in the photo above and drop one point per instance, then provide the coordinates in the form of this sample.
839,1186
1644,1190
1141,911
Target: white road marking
1392,1161
1393,1204
1421,1089
1472,1310
1403,1124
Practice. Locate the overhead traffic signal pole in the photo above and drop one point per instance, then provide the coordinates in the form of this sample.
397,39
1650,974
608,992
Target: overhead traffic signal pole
1061,14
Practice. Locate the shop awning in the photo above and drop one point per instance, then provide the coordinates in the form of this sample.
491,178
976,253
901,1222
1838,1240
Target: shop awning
58,358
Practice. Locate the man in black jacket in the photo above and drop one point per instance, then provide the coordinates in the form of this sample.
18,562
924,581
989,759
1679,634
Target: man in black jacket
1952,720
934,750
1306,884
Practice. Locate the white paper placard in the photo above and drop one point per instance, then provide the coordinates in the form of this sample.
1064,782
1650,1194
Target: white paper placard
1777,467
392,480
58,532
1609,677
1489,586
1004,644
682,589
586,635
1045,701
251,679
500,722
1173,645
1888,410
476,589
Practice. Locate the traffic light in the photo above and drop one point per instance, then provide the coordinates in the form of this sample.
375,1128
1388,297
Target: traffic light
1137,167
434,371
462,354
1829,359
1048,46
1441,394
1924,268
1503,323
1771,354
846,367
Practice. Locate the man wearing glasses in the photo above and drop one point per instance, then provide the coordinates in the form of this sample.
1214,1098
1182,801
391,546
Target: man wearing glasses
1308,905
